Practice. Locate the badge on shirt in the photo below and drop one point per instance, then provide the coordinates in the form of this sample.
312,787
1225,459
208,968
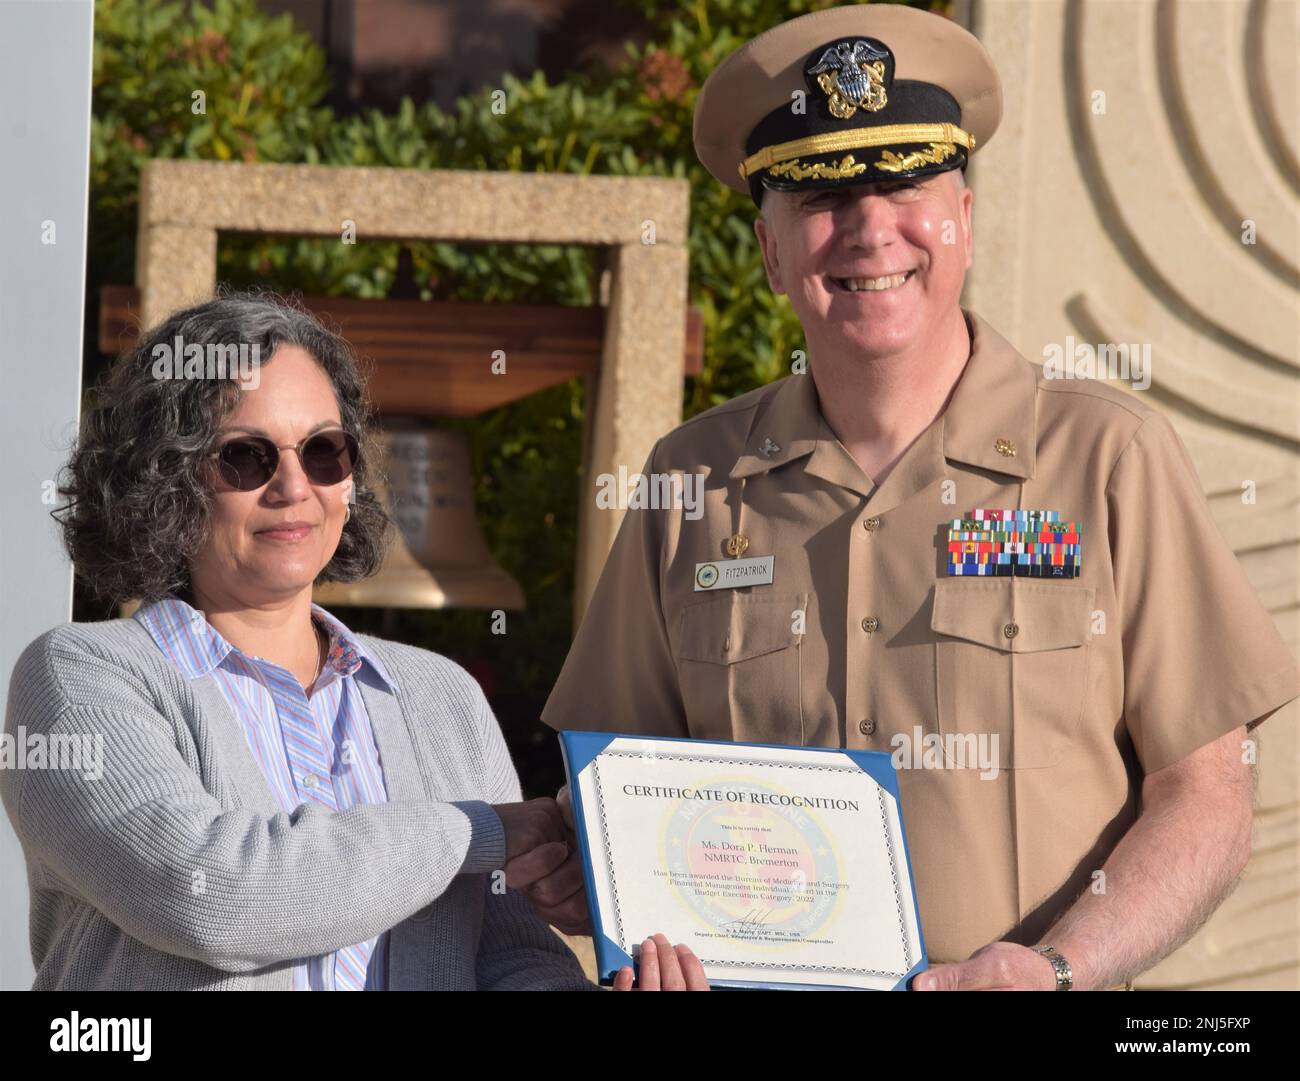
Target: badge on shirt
1014,543
734,573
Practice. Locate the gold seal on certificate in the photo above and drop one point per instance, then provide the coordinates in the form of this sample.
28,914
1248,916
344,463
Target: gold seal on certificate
778,866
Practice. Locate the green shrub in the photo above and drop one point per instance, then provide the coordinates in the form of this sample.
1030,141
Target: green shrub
264,80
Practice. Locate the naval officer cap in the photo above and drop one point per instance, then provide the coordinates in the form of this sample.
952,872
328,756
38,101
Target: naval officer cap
849,95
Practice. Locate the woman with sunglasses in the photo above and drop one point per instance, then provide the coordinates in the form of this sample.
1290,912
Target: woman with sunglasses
276,802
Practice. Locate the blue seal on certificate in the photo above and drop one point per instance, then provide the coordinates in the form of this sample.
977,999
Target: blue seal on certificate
750,869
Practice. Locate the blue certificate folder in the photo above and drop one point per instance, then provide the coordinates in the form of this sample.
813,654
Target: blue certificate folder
580,750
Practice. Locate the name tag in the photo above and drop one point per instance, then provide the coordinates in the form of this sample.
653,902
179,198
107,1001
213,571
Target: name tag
734,573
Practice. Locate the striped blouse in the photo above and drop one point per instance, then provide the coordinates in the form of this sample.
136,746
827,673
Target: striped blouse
316,746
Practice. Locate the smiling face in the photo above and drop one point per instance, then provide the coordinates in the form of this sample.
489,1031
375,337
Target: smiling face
247,562
870,268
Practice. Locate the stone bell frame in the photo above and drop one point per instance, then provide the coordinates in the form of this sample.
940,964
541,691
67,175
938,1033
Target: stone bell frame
639,222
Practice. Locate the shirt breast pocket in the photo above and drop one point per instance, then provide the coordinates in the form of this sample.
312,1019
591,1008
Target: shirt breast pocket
738,666
1011,661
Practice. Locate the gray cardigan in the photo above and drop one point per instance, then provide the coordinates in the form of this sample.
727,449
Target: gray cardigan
177,869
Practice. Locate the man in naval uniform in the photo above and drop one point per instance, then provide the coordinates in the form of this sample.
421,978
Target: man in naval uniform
921,544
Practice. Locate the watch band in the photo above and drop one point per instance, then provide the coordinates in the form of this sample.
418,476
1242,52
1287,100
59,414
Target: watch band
1064,974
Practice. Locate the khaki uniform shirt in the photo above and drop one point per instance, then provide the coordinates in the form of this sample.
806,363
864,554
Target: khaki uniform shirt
1158,647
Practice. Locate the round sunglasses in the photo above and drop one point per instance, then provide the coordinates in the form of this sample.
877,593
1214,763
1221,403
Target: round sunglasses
250,461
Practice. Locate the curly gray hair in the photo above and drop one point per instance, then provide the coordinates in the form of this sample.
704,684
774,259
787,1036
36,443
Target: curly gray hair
139,499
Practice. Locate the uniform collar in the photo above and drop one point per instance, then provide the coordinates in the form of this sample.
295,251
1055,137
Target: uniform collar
184,634
993,406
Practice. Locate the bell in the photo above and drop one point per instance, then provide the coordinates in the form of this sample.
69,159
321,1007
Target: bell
438,558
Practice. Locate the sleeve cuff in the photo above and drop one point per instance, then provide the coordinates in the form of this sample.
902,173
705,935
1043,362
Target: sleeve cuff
1235,707
478,829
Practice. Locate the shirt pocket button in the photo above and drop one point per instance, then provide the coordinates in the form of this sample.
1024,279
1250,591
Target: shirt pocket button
1010,669
738,667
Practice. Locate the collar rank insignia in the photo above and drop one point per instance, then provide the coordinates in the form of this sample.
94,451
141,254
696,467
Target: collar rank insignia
852,76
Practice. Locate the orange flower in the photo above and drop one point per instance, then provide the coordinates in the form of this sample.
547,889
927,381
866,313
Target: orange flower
664,76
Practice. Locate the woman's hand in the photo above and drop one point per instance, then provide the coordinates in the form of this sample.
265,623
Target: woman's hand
554,881
664,968
535,840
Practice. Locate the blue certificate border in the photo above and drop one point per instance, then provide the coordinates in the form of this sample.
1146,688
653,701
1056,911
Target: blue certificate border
579,749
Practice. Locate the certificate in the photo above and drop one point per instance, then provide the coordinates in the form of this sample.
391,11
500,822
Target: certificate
778,866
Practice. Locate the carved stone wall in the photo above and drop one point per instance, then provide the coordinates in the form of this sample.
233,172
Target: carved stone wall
1143,189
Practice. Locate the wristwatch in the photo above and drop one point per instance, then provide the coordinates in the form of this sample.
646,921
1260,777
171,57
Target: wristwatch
1064,974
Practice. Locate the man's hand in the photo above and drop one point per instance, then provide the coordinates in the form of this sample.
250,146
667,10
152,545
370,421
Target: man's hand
664,968
999,966
555,885
535,840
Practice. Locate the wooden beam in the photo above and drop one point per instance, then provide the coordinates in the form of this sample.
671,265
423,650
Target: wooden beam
434,358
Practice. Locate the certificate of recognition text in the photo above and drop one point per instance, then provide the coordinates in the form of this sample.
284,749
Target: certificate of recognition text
777,866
